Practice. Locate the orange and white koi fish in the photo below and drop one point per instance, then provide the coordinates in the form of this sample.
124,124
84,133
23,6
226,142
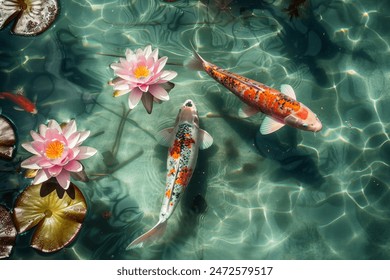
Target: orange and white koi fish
281,107
20,100
184,141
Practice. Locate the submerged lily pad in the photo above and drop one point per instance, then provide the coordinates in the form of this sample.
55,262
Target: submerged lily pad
33,16
56,213
7,233
7,138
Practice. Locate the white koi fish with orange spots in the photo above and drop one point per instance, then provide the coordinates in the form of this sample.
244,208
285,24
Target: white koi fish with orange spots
281,107
184,141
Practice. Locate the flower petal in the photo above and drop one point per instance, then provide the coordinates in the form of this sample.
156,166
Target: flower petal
73,139
69,129
85,152
161,63
129,54
38,146
158,92
168,75
42,130
29,148
64,179
144,88
53,124
154,54
83,135
148,50
74,166
31,163
134,97
54,170
41,177
36,136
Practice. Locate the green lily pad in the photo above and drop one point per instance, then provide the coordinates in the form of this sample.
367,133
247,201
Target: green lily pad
7,138
7,233
57,214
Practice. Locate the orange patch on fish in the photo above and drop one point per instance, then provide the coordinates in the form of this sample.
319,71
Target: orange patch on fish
172,172
184,176
303,113
168,193
175,150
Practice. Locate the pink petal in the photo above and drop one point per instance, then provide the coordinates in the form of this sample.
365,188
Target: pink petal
134,97
52,133
63,179
69,129
83,135
73,139
54,125
41,177
31,163
168,75
29,148
44,163
161,63
158,92
74,166
42,130
154,54
144,88
129,53
85,152
148,50
150,63
36,136
128,77
54,170
122,86
38,146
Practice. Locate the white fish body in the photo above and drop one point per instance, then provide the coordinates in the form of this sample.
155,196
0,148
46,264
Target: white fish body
184,141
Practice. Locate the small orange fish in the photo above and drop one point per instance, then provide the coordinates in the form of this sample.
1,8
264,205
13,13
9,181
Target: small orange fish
19,99
281,108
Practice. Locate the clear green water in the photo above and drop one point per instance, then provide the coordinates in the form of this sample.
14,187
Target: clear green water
289,195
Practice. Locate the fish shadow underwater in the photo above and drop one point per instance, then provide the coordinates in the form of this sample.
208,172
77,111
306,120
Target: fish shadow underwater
296,162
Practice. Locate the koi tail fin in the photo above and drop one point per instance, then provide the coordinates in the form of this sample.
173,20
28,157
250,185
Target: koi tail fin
196,62
148,237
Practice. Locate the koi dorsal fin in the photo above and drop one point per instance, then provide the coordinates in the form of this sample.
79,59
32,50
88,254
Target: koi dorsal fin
164,137
205,139
288,90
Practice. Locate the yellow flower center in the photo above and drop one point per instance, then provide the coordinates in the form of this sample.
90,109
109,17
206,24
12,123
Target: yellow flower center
141,72
54,150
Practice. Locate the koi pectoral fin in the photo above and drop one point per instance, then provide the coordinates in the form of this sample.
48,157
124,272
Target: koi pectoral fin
165,136
270,125
206,140
247,111
149,237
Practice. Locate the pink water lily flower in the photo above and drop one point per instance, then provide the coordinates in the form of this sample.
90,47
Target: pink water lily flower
140,74
57,152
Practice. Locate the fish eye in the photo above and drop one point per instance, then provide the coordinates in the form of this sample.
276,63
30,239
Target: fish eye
305,125
189,104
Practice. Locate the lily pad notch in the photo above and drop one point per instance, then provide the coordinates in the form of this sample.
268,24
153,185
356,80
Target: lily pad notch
32,16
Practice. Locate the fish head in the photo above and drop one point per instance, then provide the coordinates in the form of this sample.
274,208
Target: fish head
304,119
188,112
